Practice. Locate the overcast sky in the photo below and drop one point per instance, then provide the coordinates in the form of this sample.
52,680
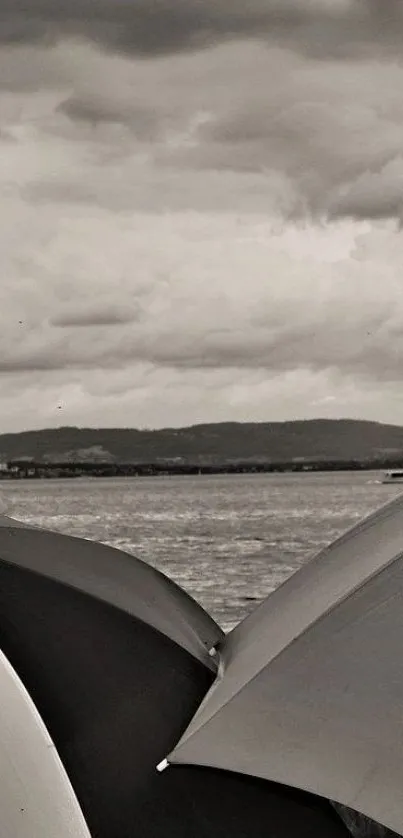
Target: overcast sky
201,209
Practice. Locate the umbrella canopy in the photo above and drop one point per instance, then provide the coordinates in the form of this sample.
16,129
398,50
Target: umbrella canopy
310,688
36,797
114,657
114,577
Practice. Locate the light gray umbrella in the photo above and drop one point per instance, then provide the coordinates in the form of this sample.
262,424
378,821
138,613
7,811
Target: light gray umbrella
309,692
36,797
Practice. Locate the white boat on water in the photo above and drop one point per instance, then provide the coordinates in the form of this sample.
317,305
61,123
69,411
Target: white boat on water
395,476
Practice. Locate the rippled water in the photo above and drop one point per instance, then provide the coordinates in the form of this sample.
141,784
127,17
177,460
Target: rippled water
229,540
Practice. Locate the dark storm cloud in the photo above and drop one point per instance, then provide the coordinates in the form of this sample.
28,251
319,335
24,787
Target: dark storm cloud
366,354
375,195
96,109
42,363
373,360
6,137
25,364
372,350
152,27
94,317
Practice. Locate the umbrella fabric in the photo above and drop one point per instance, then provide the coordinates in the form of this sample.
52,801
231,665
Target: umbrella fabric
360,826
115,659
6,521
194,802
310,688
116,577
36,797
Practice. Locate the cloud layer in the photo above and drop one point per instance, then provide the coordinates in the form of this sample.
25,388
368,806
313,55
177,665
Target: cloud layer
200,208
213,294
241,126
318,332
323,28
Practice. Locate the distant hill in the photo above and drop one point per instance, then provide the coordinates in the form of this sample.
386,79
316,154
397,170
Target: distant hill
326,439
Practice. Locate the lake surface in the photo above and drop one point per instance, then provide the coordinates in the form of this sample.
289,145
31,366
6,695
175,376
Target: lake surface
229,540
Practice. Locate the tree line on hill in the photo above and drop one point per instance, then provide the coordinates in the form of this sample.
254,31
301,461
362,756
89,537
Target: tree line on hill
264,442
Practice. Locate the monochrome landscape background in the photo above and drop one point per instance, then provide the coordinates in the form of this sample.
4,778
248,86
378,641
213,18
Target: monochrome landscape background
201,210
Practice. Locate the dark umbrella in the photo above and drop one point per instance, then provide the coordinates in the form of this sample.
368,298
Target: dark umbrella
116,660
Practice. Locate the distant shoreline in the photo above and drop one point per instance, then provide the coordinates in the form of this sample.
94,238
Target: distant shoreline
46,471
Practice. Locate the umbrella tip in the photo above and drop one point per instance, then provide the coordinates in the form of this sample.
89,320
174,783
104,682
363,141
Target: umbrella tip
162,765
